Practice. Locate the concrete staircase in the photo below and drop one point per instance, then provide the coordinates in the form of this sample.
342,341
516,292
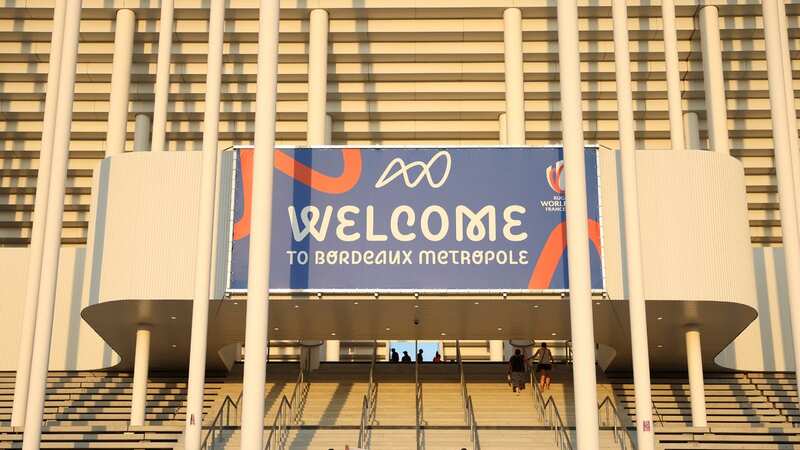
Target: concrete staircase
725,437
98,436
744,410
104,398
747,411
731,398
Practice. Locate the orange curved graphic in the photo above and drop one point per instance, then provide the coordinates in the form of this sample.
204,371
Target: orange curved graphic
318,181
351,173
553,251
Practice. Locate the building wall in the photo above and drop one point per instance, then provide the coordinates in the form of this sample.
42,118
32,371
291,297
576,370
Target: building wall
766,345
74,346
398,73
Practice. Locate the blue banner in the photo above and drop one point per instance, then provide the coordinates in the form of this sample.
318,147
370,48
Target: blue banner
415,219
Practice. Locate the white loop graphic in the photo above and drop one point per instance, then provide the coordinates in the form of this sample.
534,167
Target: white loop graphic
425,171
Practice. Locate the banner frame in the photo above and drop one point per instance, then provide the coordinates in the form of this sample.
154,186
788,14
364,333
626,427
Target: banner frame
229,232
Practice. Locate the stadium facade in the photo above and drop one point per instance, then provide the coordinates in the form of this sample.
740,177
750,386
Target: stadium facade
134,139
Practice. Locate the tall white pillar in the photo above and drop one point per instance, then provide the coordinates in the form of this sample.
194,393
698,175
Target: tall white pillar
580,293
496,349
317,76
205,229
319,124
697,389
640,355
256,337
691,130
141,133
162,76
791,111
515,88
39,213
125,26
673,75
141,366
713,80
782,135
511,122
40,355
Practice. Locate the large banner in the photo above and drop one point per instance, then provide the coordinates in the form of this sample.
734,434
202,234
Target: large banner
415,219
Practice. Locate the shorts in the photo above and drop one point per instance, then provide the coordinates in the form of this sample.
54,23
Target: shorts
544,367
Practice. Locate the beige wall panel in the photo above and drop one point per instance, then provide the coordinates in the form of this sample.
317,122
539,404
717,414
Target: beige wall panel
694,225
695,234
766,345
146,221
75,346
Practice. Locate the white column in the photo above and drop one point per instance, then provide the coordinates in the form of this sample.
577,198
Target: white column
141,367
515,89
496,350
39,212
332,351
645,437
205,235
319,124
791,111
40,355
256,337
512,122
503,133
697,390
691,130
125,26
162,76
141,133
317,76
782,134
580,295
713,80
673,74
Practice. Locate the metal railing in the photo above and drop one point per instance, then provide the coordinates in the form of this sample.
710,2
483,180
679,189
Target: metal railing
418,395
469,409
549,415
658,413
289,413
228,415
609,416
369,404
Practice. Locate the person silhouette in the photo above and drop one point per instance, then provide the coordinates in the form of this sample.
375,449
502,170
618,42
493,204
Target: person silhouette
419,356
406,357
395,356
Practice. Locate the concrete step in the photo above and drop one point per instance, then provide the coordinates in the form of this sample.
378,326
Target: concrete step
331,404
322,439
496,404
396,404
442,404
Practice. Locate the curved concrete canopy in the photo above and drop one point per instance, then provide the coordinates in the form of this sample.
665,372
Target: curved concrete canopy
392,318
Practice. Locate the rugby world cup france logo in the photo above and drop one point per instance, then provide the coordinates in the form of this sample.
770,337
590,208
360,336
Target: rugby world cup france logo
555,177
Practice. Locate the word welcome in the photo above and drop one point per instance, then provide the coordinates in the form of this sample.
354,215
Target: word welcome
434,224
